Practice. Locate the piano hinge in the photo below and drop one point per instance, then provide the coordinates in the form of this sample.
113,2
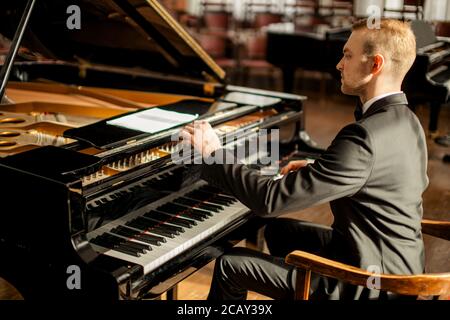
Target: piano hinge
209,88
75,190
117,183
83,66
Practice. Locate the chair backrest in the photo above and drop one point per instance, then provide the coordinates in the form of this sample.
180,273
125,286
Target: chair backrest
442,28
437,284
256,47
217,20
263,19
214,45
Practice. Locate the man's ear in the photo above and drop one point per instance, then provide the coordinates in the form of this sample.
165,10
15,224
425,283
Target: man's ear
378,63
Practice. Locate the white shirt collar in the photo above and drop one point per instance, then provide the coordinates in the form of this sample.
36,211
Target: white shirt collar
368,103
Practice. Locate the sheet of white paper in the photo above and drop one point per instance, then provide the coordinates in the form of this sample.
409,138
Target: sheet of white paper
153,120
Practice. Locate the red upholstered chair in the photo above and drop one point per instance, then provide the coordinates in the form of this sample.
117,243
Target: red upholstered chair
216,20
260,13
262,19
442,28
253,57
219,48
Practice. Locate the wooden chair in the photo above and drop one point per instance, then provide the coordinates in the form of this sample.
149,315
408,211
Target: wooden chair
437,284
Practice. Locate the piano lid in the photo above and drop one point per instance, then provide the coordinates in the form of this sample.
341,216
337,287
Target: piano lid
137,34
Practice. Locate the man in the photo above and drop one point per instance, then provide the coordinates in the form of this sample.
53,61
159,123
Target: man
373,174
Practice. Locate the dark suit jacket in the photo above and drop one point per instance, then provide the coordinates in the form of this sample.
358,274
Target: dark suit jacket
373,174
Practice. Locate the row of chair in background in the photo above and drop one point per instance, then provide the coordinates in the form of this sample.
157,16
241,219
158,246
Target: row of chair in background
220,14
238,55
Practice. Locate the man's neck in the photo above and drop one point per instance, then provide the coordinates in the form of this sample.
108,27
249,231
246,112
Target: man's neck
375,91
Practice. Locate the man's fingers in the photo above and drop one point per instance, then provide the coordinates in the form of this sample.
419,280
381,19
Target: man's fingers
285,170
293,166
301,163
185,136
189,128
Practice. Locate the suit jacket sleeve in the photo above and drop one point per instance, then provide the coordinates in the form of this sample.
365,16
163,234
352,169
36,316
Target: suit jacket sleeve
340,172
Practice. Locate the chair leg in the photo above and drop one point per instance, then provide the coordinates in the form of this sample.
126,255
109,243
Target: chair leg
271,78
256,240
303,283
172,293
245,76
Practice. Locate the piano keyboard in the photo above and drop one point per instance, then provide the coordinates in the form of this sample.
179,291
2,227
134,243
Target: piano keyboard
154,234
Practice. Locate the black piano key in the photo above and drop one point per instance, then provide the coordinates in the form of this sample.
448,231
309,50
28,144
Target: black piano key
159,231
161,224
142,246
208,207
127,251
104,242
186,201
155,230
126,243
170,219
189,214
181,221
144,237
150,239
198,204
133,234
176,208
200,211
126,232
131,247
171,207
219,201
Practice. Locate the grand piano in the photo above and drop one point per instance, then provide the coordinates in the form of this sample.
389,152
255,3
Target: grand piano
93,210
312,47
428,80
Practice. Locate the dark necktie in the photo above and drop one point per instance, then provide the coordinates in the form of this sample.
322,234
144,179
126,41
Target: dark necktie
358,111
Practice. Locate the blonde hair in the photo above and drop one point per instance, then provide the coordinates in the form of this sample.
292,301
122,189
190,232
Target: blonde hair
392,38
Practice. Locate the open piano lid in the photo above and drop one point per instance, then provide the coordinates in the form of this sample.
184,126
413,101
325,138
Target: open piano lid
131,34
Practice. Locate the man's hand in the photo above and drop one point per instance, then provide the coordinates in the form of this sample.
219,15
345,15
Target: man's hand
293,166
202,136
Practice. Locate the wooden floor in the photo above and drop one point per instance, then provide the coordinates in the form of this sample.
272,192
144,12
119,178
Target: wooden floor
327,111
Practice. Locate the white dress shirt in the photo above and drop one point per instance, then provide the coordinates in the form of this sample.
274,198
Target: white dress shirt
368,103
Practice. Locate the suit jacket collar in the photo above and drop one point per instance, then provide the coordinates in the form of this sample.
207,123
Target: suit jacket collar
391,100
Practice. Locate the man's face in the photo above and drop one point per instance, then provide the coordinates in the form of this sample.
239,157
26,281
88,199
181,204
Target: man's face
355,66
